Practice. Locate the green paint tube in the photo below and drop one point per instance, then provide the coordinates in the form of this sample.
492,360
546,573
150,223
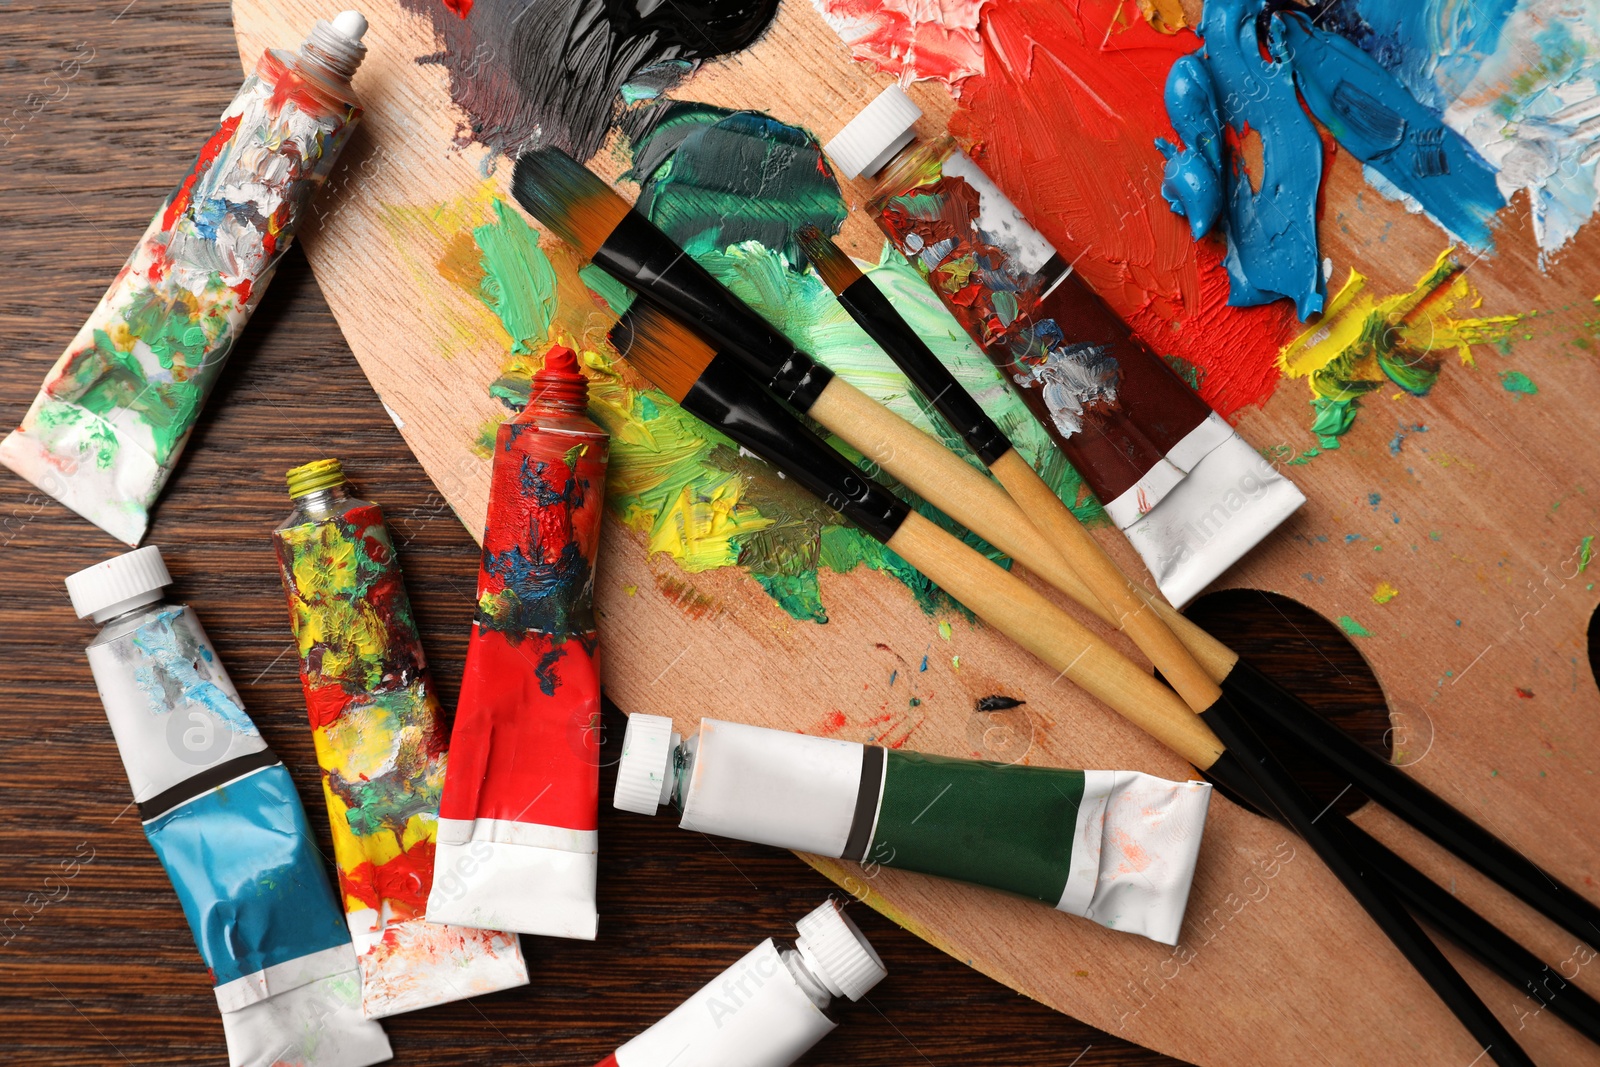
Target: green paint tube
1117,847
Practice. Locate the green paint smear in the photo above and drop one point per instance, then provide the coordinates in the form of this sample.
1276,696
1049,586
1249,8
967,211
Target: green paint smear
518,284
1353,628
1585,553
1514,381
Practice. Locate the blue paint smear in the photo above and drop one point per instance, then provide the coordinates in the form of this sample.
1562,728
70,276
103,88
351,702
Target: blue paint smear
1272,231
1377,121
1359,82
169,672
1432,47
249,877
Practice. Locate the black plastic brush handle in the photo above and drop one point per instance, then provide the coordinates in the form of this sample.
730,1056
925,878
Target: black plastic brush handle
1435,906
1414,802
877,316
650,263
1339,853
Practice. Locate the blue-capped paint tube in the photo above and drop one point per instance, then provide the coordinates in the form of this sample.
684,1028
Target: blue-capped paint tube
223,816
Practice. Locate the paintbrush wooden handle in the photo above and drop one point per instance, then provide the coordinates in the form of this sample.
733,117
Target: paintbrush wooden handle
1106,580
1023,614
978,502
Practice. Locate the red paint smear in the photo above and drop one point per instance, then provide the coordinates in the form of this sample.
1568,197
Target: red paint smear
1065,121
908,41
609,1061
402,882
831,723
208,155
462,8
325,703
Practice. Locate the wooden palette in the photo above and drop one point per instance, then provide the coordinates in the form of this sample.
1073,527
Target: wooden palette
1477,522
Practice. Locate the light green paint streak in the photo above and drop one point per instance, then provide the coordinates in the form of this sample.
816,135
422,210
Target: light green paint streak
1353,628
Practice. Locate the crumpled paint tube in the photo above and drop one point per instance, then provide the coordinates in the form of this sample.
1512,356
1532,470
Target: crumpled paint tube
1116,847
518,823
222,814
767,1009
380,741
113,415
1191,495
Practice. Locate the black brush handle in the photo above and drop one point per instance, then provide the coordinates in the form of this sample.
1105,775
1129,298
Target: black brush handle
647,261
728,399
1434,905
876,315
1370,891
1414,802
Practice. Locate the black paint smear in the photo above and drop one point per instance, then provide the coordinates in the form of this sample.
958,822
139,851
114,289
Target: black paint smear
546,72
998,703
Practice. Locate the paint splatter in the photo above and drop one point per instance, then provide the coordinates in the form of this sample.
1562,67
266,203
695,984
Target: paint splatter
915,40
1353,628
1384,593
1363,343
1585,553
1514,381
549,72
1261,70
175,671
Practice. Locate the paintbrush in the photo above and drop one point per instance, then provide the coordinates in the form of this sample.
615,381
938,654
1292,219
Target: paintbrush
713,387
1248,687
586,213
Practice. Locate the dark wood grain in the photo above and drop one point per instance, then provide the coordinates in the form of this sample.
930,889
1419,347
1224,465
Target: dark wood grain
106,105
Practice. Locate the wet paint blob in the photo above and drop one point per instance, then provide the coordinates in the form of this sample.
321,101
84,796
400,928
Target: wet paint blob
550,72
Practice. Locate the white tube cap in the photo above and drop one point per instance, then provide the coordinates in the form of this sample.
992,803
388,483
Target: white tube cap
351,25
119,584
871,139
838,953
644,775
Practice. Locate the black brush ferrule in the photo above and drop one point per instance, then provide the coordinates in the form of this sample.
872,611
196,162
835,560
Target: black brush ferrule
876,315
727,398
650,263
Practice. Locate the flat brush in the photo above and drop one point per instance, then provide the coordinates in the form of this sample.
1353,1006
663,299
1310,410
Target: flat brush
1155,632
714,388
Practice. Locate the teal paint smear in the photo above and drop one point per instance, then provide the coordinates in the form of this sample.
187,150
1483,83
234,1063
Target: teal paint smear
618,297
1377,121
719,178
1433,48
1514,381
713,206
1353,628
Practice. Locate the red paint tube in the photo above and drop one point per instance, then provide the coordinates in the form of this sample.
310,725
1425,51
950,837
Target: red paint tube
1189,493
518,821
767,1009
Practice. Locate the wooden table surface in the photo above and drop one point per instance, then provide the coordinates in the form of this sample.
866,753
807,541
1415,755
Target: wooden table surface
101,109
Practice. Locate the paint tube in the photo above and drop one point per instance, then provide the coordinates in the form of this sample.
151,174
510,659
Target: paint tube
767,1009
223,816
518,823
107,427
380,742
1194,501
1116,847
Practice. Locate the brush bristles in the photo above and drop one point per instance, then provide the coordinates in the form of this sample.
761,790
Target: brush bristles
837,269
567,197
662,349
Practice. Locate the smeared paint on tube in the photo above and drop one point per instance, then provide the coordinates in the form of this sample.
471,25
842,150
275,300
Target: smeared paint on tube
223,816
380,742
549,72
518,831
1116,847
1364,343
1159,459
767,1009
114,413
